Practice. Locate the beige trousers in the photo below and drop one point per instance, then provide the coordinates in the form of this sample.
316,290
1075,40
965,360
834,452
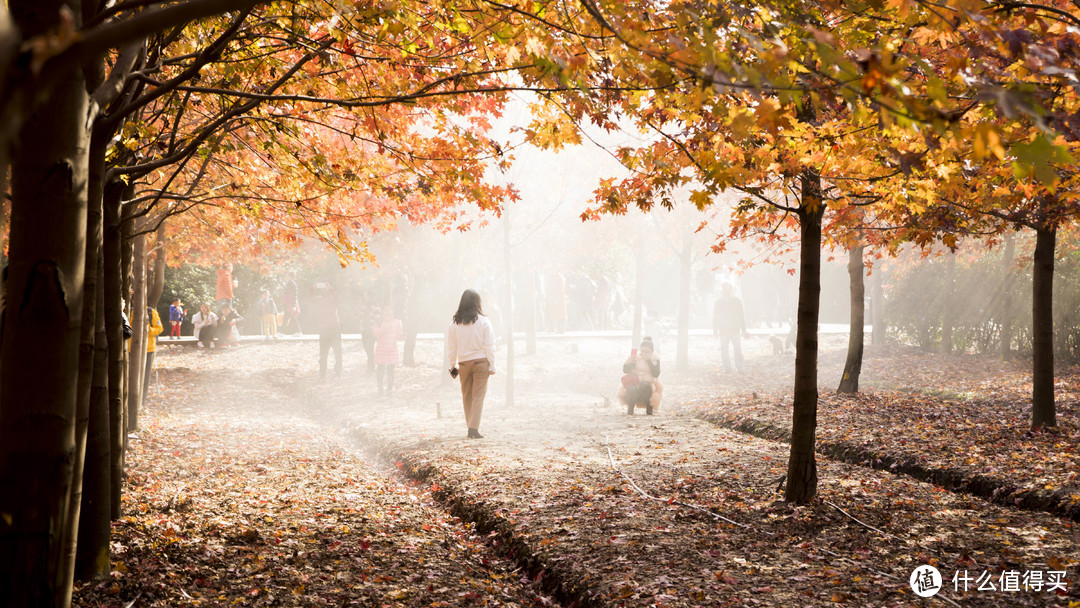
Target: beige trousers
474,379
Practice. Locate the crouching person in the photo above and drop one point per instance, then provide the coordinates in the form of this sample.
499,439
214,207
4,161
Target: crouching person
640,386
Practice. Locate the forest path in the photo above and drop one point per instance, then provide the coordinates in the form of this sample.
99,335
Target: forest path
557,486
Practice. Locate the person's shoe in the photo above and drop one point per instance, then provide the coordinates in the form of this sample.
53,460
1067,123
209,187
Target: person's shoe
475,434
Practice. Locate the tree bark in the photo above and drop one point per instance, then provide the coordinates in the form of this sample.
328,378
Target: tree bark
1043,409
92,558
849,382
947,316
41,330
508,318
802,464
114,308
138,335
686,260
1006,296
639,291
156,283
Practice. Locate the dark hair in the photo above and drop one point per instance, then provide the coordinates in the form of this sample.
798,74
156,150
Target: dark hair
469,308
647,341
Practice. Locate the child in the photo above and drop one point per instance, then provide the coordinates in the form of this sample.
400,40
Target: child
176,317
268,310
387,335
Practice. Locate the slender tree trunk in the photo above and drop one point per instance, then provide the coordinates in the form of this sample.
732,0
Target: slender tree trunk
92,559
41,329
849,382
156,282
686,259
802,464
639,291
947,314
508,318
530,323
1006,296
138,335
1043,409
114,308
96,164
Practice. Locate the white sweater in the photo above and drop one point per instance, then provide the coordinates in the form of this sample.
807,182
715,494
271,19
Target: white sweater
473,341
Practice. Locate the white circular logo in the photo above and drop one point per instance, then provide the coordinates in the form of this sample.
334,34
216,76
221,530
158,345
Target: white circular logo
925,581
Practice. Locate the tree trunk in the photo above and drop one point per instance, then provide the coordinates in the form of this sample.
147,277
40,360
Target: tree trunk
508,318
949,306
639,291
1006,296
156,283
802,464
849,382
530,322
114,308
41,329
877,302
1043,410
139,328
92,558
686,259
96,165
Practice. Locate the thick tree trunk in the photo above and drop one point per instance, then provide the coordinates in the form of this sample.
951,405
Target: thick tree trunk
41,330
508,318
92,559
802,464
877,306
1006,296
114,307
947,313
849,382
682,348
1043,409
139,328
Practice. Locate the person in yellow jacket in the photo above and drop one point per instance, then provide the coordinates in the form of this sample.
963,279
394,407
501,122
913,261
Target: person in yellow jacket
153,328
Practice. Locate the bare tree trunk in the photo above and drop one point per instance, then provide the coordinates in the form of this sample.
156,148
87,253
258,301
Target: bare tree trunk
530,327
639,291
686,260
802,463
92,558
947,313
91,286
41,329
1043,408
114,309
138,335
508,318
849,382
1007,278
877,301
156,282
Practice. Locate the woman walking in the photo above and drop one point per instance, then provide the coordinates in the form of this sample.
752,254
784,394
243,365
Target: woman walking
471,345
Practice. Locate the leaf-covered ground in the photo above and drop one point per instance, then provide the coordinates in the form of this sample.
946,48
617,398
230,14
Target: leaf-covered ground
243,478
962,420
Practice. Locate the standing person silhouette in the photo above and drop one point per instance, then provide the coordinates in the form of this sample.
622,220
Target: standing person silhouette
326,309
729,323
471,345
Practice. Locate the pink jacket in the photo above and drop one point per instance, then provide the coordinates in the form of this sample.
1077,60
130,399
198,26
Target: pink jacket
387,335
